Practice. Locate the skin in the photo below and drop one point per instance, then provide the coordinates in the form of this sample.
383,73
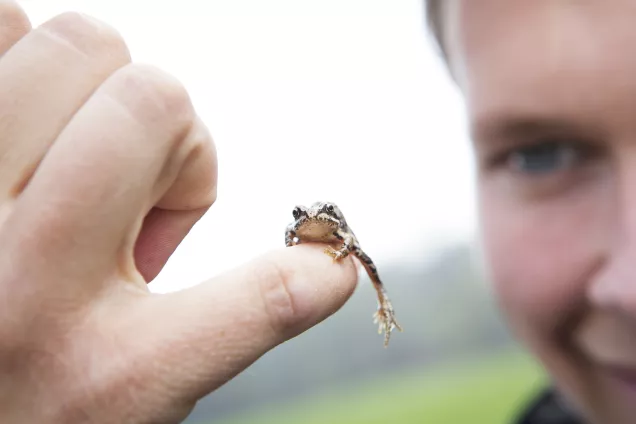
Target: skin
551,98
104,168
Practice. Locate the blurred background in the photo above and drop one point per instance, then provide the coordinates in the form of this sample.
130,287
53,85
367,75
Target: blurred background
347,101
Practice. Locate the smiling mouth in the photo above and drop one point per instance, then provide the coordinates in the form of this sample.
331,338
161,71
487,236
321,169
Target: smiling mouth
622,376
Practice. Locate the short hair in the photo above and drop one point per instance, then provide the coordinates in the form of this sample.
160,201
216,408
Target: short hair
434,19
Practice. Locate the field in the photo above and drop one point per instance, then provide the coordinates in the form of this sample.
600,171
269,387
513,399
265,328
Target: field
487,390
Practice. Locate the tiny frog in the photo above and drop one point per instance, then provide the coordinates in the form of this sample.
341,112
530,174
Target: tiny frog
324,222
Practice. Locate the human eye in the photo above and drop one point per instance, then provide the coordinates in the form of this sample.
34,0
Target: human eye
545,166
538,156
544,158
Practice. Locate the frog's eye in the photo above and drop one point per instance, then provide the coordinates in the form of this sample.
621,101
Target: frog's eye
296,213
330,208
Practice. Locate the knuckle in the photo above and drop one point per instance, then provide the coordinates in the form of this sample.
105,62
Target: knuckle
278,302
209,176
196,186
153,96
14,22
87,35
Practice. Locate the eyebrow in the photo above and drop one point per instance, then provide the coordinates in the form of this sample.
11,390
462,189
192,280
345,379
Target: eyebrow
519,128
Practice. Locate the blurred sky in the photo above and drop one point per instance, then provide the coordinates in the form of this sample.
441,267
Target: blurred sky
341,100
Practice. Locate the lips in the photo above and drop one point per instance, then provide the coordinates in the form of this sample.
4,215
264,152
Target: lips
610,340
624,377
610,343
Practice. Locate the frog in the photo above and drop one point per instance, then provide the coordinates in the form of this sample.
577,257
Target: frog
324,222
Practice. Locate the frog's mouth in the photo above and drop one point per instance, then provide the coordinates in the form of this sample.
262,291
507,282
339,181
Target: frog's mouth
322,220
317,228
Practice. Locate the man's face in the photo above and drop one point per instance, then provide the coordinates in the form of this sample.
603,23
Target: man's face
550,87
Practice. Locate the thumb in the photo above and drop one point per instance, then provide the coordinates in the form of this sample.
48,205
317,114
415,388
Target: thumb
203,336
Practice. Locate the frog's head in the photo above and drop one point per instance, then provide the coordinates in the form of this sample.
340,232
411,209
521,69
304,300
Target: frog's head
326,212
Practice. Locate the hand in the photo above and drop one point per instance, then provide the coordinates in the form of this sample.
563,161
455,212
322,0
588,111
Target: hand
104,168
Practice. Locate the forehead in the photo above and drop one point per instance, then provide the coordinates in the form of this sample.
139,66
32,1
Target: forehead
542,58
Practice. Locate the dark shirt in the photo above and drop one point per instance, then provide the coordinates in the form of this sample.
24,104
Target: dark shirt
548,408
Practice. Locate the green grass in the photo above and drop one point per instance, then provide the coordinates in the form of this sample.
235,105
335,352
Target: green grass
487,390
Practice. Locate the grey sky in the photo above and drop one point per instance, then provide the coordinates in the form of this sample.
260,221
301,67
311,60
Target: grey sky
340,100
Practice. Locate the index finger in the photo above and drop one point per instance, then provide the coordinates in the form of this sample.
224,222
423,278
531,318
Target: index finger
201,337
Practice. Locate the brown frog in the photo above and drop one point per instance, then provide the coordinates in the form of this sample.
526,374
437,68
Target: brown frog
324,222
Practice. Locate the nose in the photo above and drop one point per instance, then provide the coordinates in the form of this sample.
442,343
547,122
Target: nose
614,285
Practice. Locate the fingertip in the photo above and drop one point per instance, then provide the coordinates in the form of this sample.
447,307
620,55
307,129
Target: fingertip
288,290
196,185
317,284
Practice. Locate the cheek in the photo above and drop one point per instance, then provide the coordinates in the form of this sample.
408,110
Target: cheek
540,257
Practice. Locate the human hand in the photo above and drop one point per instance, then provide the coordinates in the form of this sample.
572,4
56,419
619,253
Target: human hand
104,168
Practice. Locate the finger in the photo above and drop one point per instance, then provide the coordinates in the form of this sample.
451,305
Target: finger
14,24
184,203
162,231
201,337
46,77
89,195
196,184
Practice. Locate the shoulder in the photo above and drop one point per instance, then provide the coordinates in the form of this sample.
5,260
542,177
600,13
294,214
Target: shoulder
547,408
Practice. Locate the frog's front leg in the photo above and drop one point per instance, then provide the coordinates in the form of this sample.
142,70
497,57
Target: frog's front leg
290,236
345,249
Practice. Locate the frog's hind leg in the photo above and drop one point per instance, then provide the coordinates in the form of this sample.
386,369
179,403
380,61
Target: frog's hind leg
384,316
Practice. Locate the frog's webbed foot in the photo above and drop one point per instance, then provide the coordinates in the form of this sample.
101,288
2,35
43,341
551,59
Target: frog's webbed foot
385,318
345,249
337,254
